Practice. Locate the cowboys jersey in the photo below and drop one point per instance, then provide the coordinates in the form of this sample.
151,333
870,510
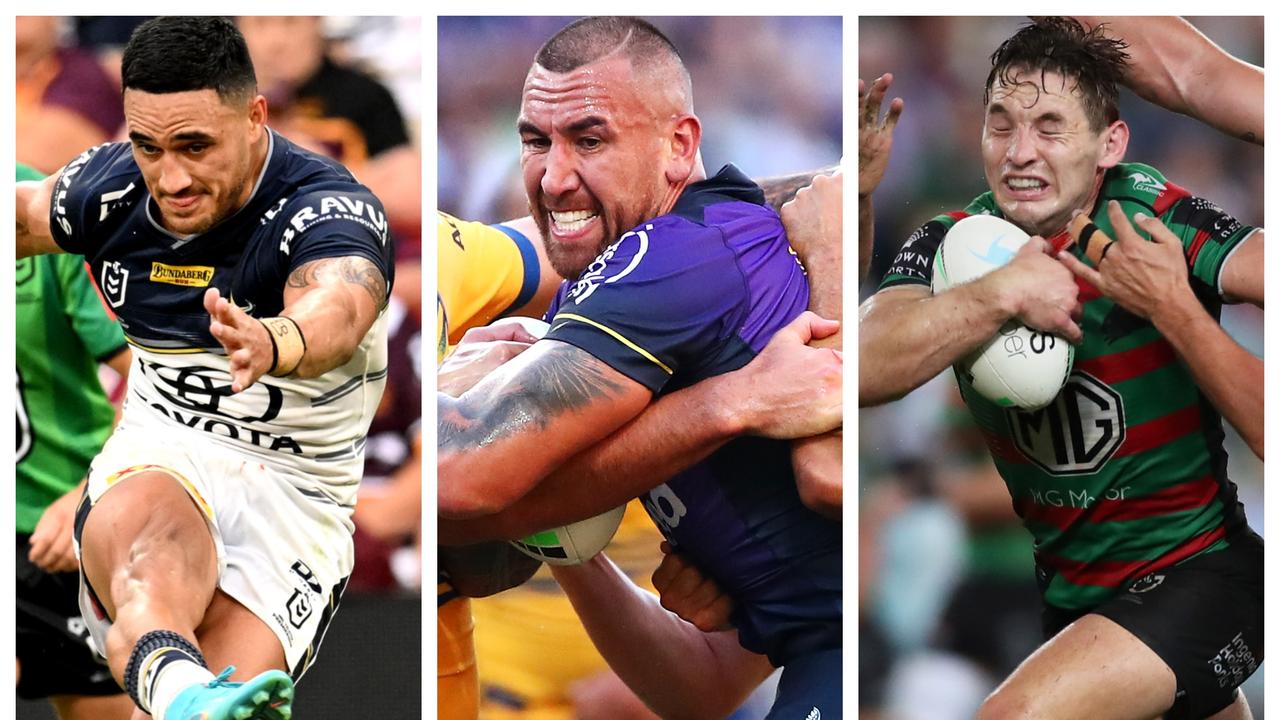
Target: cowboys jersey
302,208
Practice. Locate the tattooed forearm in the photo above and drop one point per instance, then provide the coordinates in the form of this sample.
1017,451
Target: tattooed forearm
351,270
562,380
778,190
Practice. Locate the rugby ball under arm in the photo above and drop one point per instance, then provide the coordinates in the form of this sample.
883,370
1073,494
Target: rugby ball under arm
1019,367
575,543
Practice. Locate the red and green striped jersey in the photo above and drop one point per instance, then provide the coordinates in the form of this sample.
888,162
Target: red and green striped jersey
63,415
1124,473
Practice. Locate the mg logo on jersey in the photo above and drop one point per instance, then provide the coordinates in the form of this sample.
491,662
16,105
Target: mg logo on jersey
115,280
1076,434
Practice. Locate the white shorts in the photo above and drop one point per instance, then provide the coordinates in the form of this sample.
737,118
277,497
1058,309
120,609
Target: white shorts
283,553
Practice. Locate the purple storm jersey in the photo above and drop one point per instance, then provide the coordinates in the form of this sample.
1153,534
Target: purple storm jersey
684,297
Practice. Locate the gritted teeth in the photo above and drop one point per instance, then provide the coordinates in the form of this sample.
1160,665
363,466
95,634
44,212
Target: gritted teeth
572,220
572,215
1025,183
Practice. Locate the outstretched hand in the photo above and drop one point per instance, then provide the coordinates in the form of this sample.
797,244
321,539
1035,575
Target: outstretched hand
875,137
246,341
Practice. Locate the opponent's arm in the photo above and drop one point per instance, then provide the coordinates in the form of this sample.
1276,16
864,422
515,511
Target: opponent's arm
333,302
678,670
1172,64
31,207
906,335
815,227
818,463
780,190
1150,280
789,390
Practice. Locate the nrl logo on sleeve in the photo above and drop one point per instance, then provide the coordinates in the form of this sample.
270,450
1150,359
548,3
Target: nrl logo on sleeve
184,275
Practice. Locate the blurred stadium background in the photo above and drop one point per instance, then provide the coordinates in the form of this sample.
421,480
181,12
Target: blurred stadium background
948,604
350,88
768,104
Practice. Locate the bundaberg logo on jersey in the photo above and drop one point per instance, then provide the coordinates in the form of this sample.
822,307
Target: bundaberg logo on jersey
197,395
184,275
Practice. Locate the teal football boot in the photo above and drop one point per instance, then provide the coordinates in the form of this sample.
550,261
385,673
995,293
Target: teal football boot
268,696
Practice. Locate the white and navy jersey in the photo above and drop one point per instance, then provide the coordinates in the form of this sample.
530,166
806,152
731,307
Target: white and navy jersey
303,207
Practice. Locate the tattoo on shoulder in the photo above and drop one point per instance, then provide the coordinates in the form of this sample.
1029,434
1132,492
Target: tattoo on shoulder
354,270
562,380
779,190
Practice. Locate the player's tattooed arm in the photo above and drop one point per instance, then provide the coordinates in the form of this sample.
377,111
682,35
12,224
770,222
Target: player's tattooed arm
356,271
790,390
778,190
498,440
31,210
334,301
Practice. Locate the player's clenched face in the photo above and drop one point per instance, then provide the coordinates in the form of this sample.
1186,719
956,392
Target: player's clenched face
596,154
1042,159
198,154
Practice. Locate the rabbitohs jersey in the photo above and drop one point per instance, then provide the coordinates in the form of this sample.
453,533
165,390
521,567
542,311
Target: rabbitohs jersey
1124,473
303,208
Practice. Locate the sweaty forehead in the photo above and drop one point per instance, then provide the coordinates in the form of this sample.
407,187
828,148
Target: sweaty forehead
605,88
1029,90
160,115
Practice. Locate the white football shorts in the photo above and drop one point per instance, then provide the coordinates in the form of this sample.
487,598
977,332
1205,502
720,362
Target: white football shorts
284,550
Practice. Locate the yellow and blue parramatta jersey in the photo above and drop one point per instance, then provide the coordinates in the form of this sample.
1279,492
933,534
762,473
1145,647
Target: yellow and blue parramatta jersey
484,272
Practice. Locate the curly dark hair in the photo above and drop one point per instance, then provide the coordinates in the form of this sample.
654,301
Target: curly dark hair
1062,45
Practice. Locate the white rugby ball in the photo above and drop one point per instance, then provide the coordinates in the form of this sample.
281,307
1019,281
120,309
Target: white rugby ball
1019,367
575,543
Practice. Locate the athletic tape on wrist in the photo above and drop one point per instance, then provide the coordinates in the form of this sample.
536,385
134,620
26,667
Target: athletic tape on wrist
287,345
151,644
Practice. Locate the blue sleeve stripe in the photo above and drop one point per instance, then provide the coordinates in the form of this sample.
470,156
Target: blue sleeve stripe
532,271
